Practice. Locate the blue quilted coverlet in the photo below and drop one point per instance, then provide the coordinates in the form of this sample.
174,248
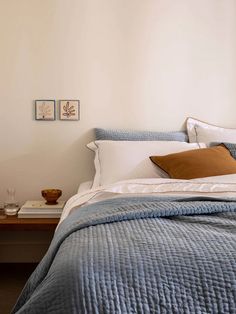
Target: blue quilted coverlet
139,255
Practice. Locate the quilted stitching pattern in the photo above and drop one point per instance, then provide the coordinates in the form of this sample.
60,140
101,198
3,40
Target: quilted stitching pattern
121,135
162,263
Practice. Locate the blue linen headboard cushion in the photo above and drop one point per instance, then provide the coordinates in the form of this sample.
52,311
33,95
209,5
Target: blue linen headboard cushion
125,135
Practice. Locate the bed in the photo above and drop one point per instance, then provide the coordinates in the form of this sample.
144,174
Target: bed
140,245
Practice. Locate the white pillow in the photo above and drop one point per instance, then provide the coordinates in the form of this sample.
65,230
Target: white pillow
202,132
121,160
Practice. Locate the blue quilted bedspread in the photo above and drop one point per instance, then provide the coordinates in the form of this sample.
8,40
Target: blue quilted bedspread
139,255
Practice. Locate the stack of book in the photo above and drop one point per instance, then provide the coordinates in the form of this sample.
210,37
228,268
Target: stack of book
38,209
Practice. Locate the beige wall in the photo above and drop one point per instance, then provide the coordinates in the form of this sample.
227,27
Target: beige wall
143,64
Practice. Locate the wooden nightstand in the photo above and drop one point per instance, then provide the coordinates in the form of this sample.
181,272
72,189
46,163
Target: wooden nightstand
25,240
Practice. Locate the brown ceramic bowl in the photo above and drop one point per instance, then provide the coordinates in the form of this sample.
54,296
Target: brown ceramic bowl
51,196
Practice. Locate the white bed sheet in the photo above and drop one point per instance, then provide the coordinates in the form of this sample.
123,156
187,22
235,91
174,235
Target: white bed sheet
218,186
85,186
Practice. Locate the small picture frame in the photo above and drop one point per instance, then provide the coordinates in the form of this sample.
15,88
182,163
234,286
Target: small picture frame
45,110
69,110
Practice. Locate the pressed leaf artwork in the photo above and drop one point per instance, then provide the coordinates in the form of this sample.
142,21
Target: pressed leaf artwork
45,110
69,109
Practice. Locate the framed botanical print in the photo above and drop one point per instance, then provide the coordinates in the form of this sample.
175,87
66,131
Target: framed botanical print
45,110
69,110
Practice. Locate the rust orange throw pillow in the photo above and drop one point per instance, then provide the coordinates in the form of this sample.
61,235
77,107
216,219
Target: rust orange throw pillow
197,163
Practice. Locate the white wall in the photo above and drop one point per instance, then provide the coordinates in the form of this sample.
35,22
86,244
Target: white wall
133,64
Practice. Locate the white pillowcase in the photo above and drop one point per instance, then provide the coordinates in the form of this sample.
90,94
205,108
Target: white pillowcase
202,132
122,160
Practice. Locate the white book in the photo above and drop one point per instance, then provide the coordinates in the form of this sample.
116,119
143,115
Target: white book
41,211
38,209
32,205
38,215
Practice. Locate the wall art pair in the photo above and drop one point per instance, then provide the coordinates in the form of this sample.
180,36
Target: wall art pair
46,110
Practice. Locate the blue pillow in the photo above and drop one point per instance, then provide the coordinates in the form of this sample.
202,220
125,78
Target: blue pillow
120,135
230,146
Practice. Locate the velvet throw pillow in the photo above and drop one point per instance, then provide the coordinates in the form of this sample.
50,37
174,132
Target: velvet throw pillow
197,163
